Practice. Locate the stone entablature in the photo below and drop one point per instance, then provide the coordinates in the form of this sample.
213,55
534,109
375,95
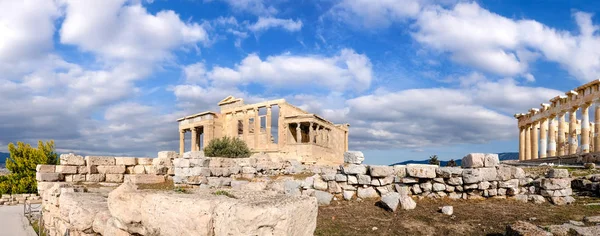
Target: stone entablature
556,137
293,133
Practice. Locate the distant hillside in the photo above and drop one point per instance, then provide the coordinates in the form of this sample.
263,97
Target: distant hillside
502,156
3,157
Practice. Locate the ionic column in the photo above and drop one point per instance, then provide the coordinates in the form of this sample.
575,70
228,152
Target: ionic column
181,142
543,137
246,126
597,127
298,134
585,129
521,143
528,142
552,137
194,139
268,126
256,128
573,131
534,140
561,135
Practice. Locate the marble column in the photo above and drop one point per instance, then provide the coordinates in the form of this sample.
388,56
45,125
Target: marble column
298,133
543,137
256,129
268,126
560,146
552,137
573,131
597,127
528,142
592,141
194,139
521,143
246,126
585,129
181,142
534,140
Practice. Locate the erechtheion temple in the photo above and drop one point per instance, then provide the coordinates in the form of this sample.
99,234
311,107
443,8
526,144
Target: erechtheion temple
545,132
290,133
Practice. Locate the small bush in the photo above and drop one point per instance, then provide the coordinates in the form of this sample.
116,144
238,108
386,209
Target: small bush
224,193
227,147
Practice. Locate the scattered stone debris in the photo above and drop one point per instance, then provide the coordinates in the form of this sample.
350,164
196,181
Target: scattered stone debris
522,228
447,210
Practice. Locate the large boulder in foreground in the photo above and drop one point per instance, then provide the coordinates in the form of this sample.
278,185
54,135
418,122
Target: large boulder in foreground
522,228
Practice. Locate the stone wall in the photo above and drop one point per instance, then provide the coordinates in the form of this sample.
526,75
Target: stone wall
12,199
107,169
128,211
482,177
589,184
574,159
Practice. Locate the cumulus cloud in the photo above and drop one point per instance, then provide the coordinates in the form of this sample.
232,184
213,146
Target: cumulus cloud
118,30
265,23
256,7
376,14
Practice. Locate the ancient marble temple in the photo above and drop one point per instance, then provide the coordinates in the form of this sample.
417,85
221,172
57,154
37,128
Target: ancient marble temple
274,127
554,130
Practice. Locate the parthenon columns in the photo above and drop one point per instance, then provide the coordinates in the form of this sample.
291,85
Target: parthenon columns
534,140
522,143
552,137
597,127
585,129
573,131
561,134
528,142
543,135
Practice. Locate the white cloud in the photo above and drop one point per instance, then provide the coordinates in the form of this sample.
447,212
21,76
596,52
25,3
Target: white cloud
375,14
256,7
117,30
265,23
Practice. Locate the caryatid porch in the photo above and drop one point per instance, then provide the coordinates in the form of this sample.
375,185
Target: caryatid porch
554,130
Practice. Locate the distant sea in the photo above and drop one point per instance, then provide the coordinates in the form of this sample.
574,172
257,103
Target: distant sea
502,156
3,157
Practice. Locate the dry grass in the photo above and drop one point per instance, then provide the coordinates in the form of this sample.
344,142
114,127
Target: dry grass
486,217
167,185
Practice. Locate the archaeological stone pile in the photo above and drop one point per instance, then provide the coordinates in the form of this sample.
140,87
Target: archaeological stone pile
589,184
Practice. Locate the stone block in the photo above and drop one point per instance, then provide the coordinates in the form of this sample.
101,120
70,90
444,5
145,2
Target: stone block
471,176
364,179
168,154
504,173
555,184
125,161
421,171
328,177
368,192
426,187
45,168
449,172
199,171
400,171
558,173
192,155
139,169
407,203
319,184
144,179
437,187
323,198
100,161
94,177
144,160
409,180
114,178
391,201
387,180
381,171
354,157
181,163
348,194
341,178
524,228
75,178
71,160
354,169
473,160
111,169
292,187
352,179
200,162
488,174
517,173
513,183
84,169
491,160
48,177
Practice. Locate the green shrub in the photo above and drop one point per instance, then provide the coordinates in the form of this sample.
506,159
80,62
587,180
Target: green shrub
22,163
227,147
224,193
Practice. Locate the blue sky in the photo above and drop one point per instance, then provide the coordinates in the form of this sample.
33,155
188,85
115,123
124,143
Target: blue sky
412,77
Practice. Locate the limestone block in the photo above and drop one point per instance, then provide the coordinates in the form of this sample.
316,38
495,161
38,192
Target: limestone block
199,171
319,184
100,161
114,178
354,169
483,185
504,172
292,187
437,187
368,192
198,162
537,199
447,210
524,228
409,180
555,184
352,179
471,186
354,157
387,180
111,169
558,173
328,177
139,169
449,172
381,171
488,174
79,209
181,163
125,203
426,187
348,195
75,178
517,173
375,182
248,170
193,155
391,200
421,171
364,179
45,168
125,161
144,179
341,178
450,188
144,160
562,200
407,203
400,171
323,198
48,177
71,160
333,187
168,154
402,189
491,160
94,177
84,169
471,176
473,160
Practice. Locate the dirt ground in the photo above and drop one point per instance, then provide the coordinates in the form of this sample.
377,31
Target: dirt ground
471,217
